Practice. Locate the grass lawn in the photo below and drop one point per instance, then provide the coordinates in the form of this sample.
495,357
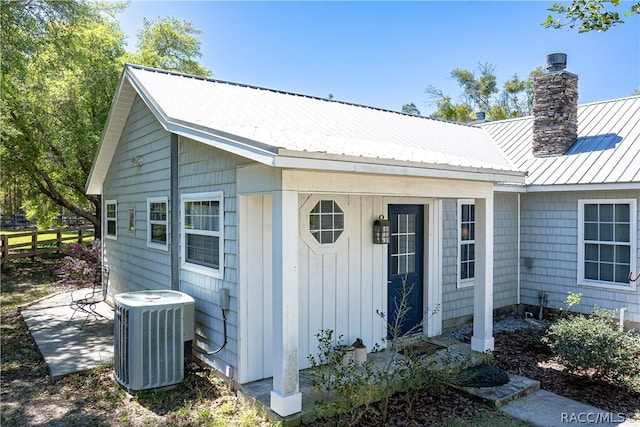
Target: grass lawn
41,237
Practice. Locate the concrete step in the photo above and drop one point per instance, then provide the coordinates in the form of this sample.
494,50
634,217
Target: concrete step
498,396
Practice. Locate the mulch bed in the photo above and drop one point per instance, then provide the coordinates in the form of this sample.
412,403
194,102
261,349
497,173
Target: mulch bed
518,353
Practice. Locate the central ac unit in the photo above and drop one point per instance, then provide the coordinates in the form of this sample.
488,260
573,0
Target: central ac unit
151,328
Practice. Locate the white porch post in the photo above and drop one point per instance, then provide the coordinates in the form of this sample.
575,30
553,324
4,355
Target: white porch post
482,339
286,398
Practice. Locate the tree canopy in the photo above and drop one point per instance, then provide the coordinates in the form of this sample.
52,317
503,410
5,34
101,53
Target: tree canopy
588,15
169,44
61,66
411,109
481,93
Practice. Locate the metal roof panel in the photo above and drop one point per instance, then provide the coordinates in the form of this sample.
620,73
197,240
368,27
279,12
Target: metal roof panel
301,123
607,149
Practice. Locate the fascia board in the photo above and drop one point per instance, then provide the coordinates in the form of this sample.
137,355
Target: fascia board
370,166
509,188
116,120
618,186
236,145
247,148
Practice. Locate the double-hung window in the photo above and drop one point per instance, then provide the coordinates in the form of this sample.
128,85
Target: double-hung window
111,219
606,235
203,239
466,242
158,223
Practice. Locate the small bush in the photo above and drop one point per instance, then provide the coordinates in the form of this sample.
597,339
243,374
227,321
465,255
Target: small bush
595,346
80,262
346,387
535,339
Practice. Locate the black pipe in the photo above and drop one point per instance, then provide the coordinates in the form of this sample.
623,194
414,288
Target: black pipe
209,353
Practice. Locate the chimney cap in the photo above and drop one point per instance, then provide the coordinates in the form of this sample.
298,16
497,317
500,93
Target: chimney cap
556,62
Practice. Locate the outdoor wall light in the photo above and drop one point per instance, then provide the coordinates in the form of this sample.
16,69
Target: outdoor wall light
381,231
137,161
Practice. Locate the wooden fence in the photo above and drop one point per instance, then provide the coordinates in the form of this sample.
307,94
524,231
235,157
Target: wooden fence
37,246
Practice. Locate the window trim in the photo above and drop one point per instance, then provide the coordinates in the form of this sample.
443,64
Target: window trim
197,268
107,219
150,243
468,282
303,223
632,243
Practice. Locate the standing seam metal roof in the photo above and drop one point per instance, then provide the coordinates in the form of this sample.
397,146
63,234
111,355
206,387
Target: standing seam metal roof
607,150
299,123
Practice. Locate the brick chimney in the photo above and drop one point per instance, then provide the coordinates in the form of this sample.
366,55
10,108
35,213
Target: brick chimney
555,108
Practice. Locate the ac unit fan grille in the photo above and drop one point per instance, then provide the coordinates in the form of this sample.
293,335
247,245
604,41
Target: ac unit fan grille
162,347
121,345
148,346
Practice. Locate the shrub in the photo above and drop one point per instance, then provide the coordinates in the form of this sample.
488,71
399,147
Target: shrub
349,389
345,386
595,346
80,262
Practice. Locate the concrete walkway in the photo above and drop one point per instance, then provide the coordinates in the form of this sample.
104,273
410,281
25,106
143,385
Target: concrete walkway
67,348
546,409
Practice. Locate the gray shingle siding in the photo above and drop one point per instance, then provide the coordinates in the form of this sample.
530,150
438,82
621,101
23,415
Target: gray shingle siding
457,303
550,240
205,169
133,265
505,250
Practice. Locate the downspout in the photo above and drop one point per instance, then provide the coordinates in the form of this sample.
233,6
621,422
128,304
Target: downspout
519,261
175,217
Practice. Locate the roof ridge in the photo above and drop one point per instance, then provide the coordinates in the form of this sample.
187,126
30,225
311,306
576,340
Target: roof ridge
284,92
624,98
530,116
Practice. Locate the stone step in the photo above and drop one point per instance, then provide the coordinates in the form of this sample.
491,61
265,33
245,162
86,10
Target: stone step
518,386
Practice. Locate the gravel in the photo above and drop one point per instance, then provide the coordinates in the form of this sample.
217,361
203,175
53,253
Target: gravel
507,325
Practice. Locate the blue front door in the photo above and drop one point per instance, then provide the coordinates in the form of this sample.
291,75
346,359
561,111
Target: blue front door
405,275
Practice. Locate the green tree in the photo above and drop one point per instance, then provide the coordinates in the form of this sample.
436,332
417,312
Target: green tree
411,109
61,66
588,15
55,106
169,44
481,92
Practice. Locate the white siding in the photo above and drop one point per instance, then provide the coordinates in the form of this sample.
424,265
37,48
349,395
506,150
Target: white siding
344,284
133,265
340,286
255,300
550,240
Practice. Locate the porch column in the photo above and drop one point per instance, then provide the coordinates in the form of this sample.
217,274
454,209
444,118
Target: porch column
286,398
482,339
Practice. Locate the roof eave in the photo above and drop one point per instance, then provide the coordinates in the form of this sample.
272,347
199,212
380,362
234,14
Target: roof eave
340,163
116,120
612,186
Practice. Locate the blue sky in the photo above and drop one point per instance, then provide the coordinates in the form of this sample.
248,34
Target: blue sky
384,54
